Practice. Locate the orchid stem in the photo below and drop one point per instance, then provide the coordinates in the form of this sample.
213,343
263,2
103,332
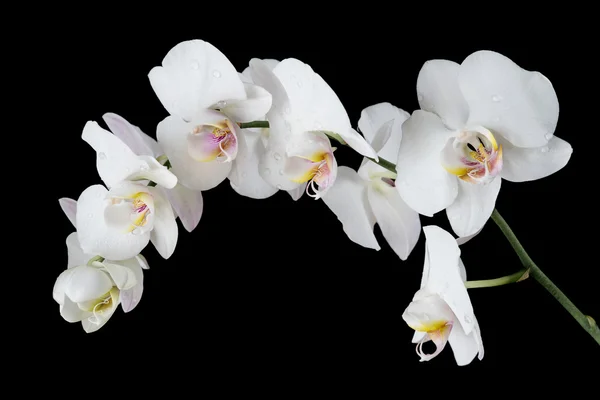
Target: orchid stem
385,164
516,277
585,321
254,124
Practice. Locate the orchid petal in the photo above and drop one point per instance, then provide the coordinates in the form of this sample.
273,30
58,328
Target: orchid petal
528,164
124,278
187,204
422,181
518,104
87,283
439,92
348,201
165,232
58,291
195,75
69,207
140,143
102,318
253,108
131,297
76,256
473,206
466,347
377,117
172,134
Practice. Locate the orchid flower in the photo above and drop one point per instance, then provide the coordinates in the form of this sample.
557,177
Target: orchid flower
90,290
118,223
481,121
441,310
187,203
361,199
304,109
206,98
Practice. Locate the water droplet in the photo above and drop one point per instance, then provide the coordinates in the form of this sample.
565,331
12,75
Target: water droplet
278,187
102,156
276,156
287,110
280,173
267,171
287,125
420,97
496,119
144,168
548,136
468,319
217,73
496,98
90,215
318,125
127,169
195,64
545,149
106,242
244,174
97,243
455,217
221,104
299,83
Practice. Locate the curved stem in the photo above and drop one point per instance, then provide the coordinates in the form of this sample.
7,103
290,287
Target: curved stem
385,164
254,124
516,277
536,273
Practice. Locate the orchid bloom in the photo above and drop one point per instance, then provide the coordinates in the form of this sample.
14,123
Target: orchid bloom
90,290
481,121
361,199
441,310
206,99
187,203
304,109
118,223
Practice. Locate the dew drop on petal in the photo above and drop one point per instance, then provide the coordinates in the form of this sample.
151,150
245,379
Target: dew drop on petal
280,173
244,174
217,73
496,98
468,319
299,84
420,97
195,64
102,156
496,119
287,110
278,187
144,168
267,171
548,136
277,157
90,215
545,149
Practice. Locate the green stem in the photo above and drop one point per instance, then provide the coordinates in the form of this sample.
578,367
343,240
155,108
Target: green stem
536,273
516,277
385,164
254,124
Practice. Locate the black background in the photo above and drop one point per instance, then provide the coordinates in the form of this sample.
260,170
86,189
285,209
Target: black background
274,288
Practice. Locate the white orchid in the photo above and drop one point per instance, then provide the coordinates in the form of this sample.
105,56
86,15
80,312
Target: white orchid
441,310
118,223
481,121
187,203
90,289
304,108
361,199
206,98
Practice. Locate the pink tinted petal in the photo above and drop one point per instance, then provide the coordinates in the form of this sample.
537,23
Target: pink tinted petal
204,146
69,207
300,170
439,338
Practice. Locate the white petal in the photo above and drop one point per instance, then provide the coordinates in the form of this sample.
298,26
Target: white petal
295,194
58,291
399,223
528,164
140,143
94,235
131,297
253,108
155,172
443,274
101,318
244,176
473,206
76,256
374,117
123,277
69,207
187,204
115,161
438,92
142,261
272,163
462,270
316,105
347,199
464,239
520,105
422,181
195,75
87,283
165,232
465,347
263,75
172,134
71,312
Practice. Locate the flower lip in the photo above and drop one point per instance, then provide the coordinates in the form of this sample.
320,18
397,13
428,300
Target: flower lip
213,142
473,155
